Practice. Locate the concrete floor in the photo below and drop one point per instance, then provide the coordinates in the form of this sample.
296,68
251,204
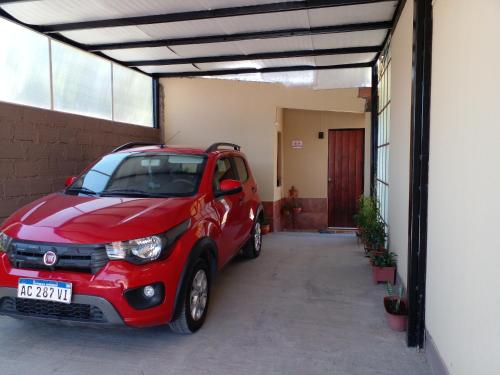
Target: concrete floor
306,306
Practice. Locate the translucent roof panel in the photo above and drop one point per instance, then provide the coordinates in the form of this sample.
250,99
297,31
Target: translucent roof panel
352,58
352,39
153,53
343,78
169,68
379,11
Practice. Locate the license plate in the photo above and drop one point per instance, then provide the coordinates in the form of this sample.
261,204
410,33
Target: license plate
44,290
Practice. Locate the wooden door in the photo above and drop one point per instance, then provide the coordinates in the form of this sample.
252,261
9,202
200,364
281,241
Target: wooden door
345,175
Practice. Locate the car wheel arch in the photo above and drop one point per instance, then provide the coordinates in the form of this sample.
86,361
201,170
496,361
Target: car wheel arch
205,248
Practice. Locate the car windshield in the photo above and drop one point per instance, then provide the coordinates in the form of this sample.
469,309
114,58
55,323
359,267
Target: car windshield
136,174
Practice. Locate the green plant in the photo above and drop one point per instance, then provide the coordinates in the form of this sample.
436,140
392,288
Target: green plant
383,259
394,306
367,211
374,234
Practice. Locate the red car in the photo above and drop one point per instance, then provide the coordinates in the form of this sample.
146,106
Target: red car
136,239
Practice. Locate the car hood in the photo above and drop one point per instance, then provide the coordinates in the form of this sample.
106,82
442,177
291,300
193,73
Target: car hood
62,218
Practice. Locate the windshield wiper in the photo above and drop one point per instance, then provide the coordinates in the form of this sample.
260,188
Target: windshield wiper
127,192
82,190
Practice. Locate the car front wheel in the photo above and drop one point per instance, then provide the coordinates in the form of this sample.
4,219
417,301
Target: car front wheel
195,304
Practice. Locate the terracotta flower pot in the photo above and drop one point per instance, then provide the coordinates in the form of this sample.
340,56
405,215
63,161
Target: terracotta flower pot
265,228
397,322
383,274
297,210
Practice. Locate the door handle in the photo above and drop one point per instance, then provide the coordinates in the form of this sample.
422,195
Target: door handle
329,179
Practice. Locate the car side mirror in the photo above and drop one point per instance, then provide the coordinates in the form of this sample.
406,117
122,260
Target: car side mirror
229,187
69,181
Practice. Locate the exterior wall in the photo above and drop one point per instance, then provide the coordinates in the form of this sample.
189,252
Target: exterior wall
400,127
307,168
40,148
463,255
202,111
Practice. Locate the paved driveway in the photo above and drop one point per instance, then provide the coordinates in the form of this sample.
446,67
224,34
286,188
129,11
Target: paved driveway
306,306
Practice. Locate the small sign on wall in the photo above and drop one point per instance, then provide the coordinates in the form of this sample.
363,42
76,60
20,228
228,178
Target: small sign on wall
297,143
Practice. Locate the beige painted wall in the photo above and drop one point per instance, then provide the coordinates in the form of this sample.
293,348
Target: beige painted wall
307,168
209,110
400,126
463,261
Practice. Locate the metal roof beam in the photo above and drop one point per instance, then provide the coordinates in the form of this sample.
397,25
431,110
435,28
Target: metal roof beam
256,56
263,70
206,14
243,36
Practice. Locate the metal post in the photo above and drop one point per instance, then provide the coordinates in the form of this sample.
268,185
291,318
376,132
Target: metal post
419,164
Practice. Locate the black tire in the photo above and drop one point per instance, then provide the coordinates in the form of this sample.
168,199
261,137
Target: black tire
185,323
253,247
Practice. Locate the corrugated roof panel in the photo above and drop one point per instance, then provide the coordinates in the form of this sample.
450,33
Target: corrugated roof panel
107,35
182,29
293,61
215,4
344,59
254,64
62,11
169,68
294,43
141,54
380,11
307,79
352,39
211,49
343,78
263,22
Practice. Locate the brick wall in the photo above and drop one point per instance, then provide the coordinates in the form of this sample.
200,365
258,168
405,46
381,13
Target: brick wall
40,148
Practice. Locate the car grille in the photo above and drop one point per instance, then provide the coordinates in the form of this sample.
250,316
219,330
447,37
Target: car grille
80,258
54,310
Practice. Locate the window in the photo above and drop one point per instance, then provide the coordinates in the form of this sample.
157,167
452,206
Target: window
384,115
241,167
142,175
24,66
132,96
38,71
223,171
82,82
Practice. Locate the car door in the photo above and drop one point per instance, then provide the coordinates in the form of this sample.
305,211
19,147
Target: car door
228,208
247,211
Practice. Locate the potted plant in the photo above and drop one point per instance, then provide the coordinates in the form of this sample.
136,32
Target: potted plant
383,266
374,236
366,212
296,207
396,309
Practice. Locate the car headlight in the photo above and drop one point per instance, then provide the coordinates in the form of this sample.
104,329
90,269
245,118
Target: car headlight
4,242
147,249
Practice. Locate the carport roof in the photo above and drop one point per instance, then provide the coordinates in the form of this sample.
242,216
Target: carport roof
320,43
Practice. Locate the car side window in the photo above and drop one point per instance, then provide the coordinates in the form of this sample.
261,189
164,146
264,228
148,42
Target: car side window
241,167
224,170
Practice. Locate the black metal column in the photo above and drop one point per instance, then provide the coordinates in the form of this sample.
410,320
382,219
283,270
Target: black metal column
419,166
156,103
374,130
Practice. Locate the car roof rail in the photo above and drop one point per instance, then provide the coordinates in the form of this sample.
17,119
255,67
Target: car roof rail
216,146
135,144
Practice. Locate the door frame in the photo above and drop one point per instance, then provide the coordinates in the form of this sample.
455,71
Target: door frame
363,130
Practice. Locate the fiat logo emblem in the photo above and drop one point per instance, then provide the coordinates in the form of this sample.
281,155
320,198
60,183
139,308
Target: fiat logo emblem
49,258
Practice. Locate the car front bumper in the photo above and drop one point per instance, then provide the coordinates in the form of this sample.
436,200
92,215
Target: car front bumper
97,299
